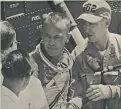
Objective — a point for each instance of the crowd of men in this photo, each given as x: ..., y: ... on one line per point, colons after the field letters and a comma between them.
x: 52, y: 78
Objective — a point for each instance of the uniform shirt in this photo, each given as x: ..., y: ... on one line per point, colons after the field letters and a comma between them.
x: 112, y: 56
x: 8, y: 99
x: 33, y: 96
x: 1, y: 76
x: 55, y: 79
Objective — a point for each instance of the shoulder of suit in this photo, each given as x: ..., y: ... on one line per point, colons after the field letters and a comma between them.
x: 34, y: 51
x: 115, y: 38
x: 79, y: 49
x: 115, y: 35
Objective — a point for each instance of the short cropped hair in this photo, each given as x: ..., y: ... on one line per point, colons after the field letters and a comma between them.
x: 17, y: 64
x: 8, y: 35
x: 55, y: 18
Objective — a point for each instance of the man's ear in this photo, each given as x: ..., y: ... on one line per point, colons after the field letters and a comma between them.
x: 68, y: 37
x: 108, y: 21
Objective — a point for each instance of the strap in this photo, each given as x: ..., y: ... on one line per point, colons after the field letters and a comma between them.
x: 69, y: 89
x: 58, y: 96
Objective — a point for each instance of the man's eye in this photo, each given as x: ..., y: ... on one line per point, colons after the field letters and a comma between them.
x: 93, y: 24
x: 11, y: 44
x: 57, y: 37
x: 46, y: 35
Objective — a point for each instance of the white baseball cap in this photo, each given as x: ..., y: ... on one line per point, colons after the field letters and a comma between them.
x: 95, y: 10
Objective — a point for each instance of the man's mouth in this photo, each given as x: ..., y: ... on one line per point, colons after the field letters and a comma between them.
x: 89, y: 35
x: 51, y: 47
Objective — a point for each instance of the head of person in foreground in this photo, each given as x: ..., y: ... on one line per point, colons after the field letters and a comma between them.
x: 17, y: 70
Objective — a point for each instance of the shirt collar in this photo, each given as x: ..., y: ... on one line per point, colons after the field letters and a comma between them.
x: 91, y: 49
x: 9, y: 93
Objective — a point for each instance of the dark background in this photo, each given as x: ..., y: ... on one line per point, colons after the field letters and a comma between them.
x: 28, y: 24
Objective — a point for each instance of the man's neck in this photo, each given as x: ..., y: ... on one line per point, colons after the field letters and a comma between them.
x: 102, y: 44
x: 12, y: 86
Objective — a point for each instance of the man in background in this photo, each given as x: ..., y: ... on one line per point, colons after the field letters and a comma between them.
x: 103, y: 50
x: 33, y: 97
x: 8, y: 40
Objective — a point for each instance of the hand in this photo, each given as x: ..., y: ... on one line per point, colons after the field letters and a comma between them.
x: 67, y: 106
x: 74, y: 103
x: 77, y: 101
x: 98, y: 92
x: 72, y: 106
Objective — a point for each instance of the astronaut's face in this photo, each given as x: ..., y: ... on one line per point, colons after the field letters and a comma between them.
x: 54, y: 39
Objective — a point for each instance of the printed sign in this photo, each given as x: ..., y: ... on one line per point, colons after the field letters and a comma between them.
x: 13, y: 9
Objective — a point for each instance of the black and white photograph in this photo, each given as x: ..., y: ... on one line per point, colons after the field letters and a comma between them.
x: 60, y: 54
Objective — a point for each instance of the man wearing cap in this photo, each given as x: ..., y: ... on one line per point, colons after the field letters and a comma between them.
x: 103, y: 50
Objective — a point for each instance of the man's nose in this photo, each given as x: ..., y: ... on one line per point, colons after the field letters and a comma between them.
x: 52, y: 42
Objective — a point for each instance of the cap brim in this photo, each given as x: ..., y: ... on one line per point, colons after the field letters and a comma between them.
x: 89, y: 18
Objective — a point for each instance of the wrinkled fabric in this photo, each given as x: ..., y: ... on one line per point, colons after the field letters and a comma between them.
x: 8, y: 99
x: 33, y: 96
x: 111, y: 57
x: 55, y: 78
